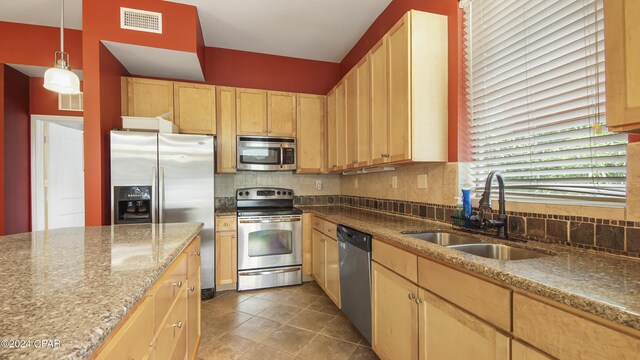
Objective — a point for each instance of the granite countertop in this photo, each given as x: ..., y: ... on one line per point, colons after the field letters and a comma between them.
x: 73, y: 286
x: 604, y: 285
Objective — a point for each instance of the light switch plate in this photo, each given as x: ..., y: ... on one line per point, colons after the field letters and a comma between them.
x: 422, y: 181
x: 319, y: 185
x: 394, y: 182
x: 356, y: 183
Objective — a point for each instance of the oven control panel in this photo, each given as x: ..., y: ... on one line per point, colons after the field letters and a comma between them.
x: 264, y: 193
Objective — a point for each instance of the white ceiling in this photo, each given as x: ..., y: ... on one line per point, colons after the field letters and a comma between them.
x: 42, y: 12
x: 156, y: 62
x: 38, y: 71
x: 310, y: 29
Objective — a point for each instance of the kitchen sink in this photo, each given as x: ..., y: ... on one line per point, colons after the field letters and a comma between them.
x: 442, y: 238
x: 498, y: 251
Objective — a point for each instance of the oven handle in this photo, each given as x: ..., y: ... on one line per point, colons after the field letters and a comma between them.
x: 268, y: 272
x: 268, y: 221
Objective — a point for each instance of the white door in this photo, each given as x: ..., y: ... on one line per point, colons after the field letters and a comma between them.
x: 64, y: 177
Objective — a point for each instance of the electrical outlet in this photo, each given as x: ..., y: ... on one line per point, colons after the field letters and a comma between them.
x: 394, y: 182
x: 422, y: 181
x: 319, y: 185
x: 356, y: 183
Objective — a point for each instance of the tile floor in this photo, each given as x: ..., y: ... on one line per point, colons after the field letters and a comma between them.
x: 298, y: 322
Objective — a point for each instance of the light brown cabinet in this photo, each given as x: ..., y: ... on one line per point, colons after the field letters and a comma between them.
x: 448, y: 332
x: 226, y: 253
x: 195, y: 108
x: 399, y: 75
x: 251, y: 112
x: 226, y: 123
x: 310, y: 133
x: 331, y: 138
x: 307, y: 246
x: 622, y: 56
x: 340, y: 130
x: 147, y: 97
x: 351, y: 118
x: 379, y: 103
x: 522, y: 351
x: 394, y: 320
x: 166, y: 322
x: 326, y: 269
x: 363, y: 141
x: 281, y: 118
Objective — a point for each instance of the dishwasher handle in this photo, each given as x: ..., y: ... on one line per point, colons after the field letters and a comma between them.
x: 354, y: 237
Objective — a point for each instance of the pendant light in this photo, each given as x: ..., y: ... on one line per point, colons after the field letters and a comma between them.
x: 59, y: 78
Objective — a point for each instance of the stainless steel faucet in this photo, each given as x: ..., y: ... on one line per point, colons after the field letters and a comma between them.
x: 478, y: 220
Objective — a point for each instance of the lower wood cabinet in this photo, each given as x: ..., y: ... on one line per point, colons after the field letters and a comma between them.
x: 226, y: 253
x: 307, y: 246
x: 394, y: 321
x: 166, y: 322
x: 326, y: 262
x: 448, y: 332
x: 521, y: 351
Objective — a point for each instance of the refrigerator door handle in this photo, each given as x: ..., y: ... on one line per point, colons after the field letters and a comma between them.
x: 161, y: 196
x: 154, y: 200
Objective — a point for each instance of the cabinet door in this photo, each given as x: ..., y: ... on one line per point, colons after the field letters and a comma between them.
x: 307, y: 245
x: 399, y: 72
x: 226, y: 137
x: 394, y: 315
x: 522, y: 351
x: 379, y: 103
x: 319, y: 265
x: 281, y: 113
x: 193, y: 299
x: 310, y: 139
x: 251, y: 112
x: 622, y: 56
x: 149, y: 98
x: 195, y: 108
x: 448, y: 332
x: 351, y: 118
x: 363, y: 151
x: 341, y: 139
x: 333, y: 270
x: 332, y: 151
x: 226, y: 258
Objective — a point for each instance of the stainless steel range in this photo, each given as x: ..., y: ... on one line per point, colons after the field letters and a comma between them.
x: 269, y: 238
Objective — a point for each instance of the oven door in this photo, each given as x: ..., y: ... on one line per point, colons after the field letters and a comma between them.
x: 269, y: 241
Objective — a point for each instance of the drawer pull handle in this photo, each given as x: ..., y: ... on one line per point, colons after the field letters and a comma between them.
x: 225, y: 224
x: 177, y: 325
x: 192, y: 289
x: 419, y: 301
x: 412, y: 296
x: 177, y: 284
x: 198, y: 253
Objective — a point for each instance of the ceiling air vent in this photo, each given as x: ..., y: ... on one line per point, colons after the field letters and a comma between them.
x: 140, y: 20
x: 70, y: 102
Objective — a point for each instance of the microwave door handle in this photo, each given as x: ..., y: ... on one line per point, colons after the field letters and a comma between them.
x: 281, y: 157
x: 154, y: 199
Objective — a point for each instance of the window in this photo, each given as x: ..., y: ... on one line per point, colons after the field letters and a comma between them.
x: 536, y: 93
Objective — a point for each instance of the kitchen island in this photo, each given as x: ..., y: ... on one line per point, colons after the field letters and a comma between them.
x: 64, y: 291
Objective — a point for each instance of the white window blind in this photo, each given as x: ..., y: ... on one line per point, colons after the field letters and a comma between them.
x: 536, y: 93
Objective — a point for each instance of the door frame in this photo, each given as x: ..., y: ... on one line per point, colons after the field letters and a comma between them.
x: 38, y: 201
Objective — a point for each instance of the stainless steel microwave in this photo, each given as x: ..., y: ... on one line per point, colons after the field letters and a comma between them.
x: 261, y: 153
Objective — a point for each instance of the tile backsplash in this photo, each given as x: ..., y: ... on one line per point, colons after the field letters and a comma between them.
x: 302, y: 184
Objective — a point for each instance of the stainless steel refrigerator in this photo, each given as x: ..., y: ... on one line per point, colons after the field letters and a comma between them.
x: 174, y: 173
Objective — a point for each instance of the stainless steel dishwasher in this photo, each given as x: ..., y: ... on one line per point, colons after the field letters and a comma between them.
x: 354, y: 249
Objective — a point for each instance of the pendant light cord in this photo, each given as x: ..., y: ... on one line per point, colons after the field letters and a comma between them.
x: 62, y: 26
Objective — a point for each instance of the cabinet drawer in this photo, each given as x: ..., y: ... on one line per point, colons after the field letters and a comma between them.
x: 330, y: 229
x: 171, y: 330
x: 317, y: 224
x: 168, y: 287
x: 226, y: 223
x: 133, y: 339
x: 400, y: 261
x: 487, y: 301
x: 567, y: 336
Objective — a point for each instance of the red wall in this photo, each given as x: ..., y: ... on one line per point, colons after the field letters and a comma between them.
x: 388, y: 18
x: 35, y: 45
x: 253, y: 70
x: 45, y: 102
x: 17, y: 156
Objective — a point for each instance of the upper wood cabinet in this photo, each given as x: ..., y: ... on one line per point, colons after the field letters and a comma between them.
x: 363, y: 88
x: 340, y: 130
x: 310, y: 133
x: 251, y: 112
x: 266, y: 113
x: 281, y: 119
x: 331, y: 138
x: 379, y: 103
x: 226, y: 123
x: 399, y: 77
x: 195, y: 108
x: 351, y: 119
x: 147, y: 97
x: 622, y: 56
